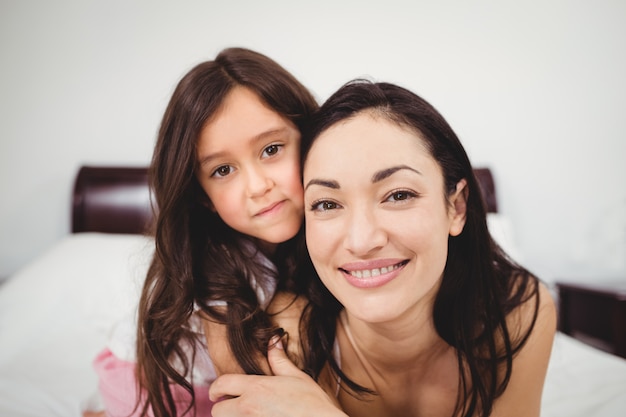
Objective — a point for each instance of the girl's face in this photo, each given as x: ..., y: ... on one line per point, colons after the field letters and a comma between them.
x: 377, y: 218
x: 249, y: 167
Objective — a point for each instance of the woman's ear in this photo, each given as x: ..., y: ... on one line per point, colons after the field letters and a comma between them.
x: 458, y: 208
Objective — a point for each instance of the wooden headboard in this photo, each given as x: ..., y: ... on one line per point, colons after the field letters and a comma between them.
x: 488, y: 188
x: 111, y: 200
x: 117, y: 199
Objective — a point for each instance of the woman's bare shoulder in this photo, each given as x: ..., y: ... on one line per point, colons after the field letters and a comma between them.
x: 522, y: 396
x: 538, y: 309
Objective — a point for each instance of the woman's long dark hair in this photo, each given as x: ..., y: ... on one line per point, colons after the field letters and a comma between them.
x: 481, y: 285
x: 198, y: 257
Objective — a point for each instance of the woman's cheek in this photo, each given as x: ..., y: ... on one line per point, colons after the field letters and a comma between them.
x: 319, y: 240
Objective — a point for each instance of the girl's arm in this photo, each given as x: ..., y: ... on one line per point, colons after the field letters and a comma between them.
x: 290, y: 392
x: 224, y: 361
x: 285, y: 308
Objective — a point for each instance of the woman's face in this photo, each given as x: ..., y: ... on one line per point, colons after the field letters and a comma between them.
x: 250, y: 168
x: 377, y: 217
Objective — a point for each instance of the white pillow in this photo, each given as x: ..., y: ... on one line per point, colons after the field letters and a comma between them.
x: 56, y: 315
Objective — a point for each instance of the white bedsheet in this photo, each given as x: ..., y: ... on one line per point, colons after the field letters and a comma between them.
x: 583, y: 381
x: 56, y: 315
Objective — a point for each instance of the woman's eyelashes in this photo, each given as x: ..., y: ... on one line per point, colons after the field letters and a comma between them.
x: 324, y: 205
x: 396, y: 197
x: 401, y: 196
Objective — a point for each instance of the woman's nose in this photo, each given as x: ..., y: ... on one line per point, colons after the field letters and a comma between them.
x: 364, y: 233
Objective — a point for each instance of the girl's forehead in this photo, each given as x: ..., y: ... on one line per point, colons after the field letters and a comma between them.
x: 243, y: 118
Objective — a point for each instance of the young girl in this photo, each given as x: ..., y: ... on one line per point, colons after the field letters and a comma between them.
x: 426, y: 315
x: 226, y: 180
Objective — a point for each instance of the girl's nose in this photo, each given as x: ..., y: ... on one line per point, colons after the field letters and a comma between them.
x: 258, y: 182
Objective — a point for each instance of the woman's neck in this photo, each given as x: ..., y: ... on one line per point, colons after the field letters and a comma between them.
x: 401, y: 345
x: 412, y: 370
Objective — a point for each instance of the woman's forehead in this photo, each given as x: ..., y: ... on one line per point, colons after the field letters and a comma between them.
x: 366, y: 144
x: 366, y: 133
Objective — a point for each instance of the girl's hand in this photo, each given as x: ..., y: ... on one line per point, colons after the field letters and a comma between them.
x: 290, y: 392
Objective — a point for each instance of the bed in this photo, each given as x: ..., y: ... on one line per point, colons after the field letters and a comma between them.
x: 57, y: 312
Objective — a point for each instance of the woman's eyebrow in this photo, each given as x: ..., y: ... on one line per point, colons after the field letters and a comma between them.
x: 386, y: 173
x: 323, y: 183
x: 378, y: 176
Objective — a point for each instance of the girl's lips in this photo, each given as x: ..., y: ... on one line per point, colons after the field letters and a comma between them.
x: 270, y: 209
x: 372, y: 274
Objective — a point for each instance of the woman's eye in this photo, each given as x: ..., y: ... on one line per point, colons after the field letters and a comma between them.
x: 222, y: 171
x: 401, y: 195
x: 271, y: 150
x: 324, y: 206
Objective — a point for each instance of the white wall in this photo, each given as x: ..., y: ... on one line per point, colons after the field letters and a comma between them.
x: 535, y: 89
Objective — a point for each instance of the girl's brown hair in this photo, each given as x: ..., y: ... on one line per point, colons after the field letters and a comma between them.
x: 199, y: 258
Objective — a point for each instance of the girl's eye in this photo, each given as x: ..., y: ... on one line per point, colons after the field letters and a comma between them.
x: 401, y: 195
x: 324, y: 205
x: 222, y: 171
x: 272, y: 150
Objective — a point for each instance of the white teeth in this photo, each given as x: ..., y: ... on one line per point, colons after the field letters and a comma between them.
x: 367, y: 273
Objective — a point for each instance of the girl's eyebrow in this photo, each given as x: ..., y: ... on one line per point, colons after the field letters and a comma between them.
x: 269, y: 133
x: 261, y: 136
x: 378, y: 176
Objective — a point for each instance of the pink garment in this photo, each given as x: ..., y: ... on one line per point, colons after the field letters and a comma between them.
x: 118, y: 389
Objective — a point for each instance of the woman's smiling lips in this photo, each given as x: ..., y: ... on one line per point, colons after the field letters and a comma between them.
x: 371, y: 274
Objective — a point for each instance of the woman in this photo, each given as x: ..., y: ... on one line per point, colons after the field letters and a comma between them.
x: 417, y: 309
